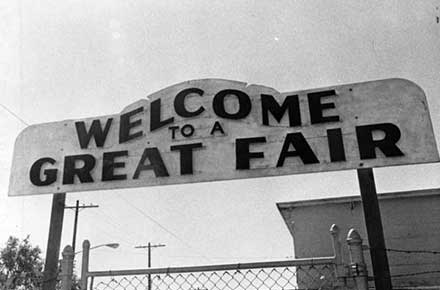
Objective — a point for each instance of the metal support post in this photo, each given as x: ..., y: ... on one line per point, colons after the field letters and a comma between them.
x: 149, y: 265
x: 373, y: 222
x: 85, y: 264
x: 75, y: 225
x: 337, y: 250
x: 53, y: 243
x: 67, y: 268
x: 357, y: 262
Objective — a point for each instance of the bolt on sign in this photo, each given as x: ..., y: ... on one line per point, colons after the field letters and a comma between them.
x: 213, y: 129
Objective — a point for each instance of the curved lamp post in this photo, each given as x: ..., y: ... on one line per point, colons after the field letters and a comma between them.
x: 110, y: 245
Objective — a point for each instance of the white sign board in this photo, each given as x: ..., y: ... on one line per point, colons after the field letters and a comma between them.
x: 212, y: 129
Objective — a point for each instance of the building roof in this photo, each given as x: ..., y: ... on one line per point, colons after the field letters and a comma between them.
x: 357, y: 198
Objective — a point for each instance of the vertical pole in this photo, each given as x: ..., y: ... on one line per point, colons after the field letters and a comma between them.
x: 67, y: 268
x: 85, y: 264
x: 373, y: 221
x: 357, y: 261
x: 54, y: 241
x: 149, y: 265
x: 75, y: 224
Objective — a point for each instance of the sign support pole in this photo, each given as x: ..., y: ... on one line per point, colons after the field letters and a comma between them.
x: 54, y: 241
x: 75, y: 225
x: 373, y: 221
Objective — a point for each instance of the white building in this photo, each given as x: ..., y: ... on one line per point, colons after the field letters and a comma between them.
x: 411, y: 221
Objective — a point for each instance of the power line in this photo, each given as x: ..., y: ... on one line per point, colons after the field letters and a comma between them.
x: 413, y: 251
x: 410, y: 274
x: 407, y: 251
x: 237, y: 257
x: 14, y: 114
x: 161, y: 226
x: 113, y: 235
x: 415, y: 273
x: 118, y: 226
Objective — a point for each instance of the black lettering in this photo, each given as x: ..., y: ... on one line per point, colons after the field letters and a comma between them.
x: 367, y: 145
x: 50, y: 174
x: 179, y: 103
x: 187, y: 130
x: 83, y: 173
x: 217, y: 127
x: 291, y: 103
x: 155, y: 115
x: 242, y: 154
x: 109, y: 165
x: 173, y: 131
x: 126, y: 125
x: 244, y: 107
x: 95, y: 130
x: 336, y: 145
x: 156, y: 163
x: 186, y: 156
x: 316, y: 108
x: 302, y: 149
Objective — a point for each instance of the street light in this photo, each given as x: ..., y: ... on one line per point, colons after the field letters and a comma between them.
x: 110, y: 245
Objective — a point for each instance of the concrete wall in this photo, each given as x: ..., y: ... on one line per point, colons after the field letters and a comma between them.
x: 411, y: 221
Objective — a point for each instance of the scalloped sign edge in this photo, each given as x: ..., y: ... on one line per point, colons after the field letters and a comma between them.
x: 215, y: 129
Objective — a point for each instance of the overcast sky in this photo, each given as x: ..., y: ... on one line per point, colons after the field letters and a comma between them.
x: 76, y: 59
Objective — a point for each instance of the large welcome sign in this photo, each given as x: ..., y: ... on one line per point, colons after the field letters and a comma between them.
x: 212, y: 129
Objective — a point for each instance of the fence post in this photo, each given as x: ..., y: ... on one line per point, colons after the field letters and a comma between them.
x: 67, y: 268
x: 337, y: 250
x: 357, y: 262
x: 85, y: 264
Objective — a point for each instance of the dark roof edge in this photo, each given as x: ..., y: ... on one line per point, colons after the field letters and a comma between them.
x: 357, y: 198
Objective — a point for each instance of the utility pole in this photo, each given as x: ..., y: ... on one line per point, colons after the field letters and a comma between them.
x: 148, y: 247
x: 77, y: 207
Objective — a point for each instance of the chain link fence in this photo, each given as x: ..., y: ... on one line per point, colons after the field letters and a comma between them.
x: 281, y: 278
x: 318, y: 273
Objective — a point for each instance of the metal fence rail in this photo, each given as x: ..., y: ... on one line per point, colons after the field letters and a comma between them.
x: 222, y: 267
